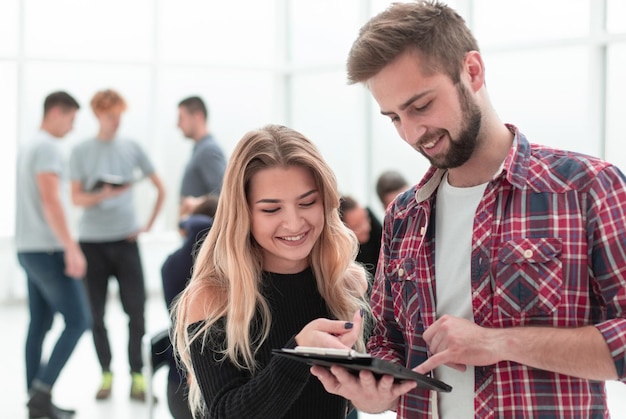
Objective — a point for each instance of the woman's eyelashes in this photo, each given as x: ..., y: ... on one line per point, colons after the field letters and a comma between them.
x: 308, y: 204
x: 274, y: 210
x: 270, y: 210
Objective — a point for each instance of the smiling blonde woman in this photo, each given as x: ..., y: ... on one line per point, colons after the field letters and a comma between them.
x: 274, y: 270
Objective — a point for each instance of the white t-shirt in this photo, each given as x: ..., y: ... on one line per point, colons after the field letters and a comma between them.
x: 455, y: 210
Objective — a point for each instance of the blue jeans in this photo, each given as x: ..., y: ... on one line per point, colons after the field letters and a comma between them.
x: 50, y: 291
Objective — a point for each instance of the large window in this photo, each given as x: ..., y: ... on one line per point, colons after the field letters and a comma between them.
x: 554, y: 69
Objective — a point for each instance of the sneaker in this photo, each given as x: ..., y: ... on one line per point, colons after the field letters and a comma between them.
x: 104, y: 392
x: 138, y: 387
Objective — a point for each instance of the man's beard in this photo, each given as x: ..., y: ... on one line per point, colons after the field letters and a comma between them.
x: 461, y: 148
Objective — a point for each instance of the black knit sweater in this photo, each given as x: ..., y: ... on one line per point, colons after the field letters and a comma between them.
x: 280, y: 388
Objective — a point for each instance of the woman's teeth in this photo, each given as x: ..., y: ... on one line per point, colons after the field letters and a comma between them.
x: 293, y: 238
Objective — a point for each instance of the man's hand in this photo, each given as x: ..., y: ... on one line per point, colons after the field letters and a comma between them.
x: 109, y: 191
x: 459, y: 342
x: 365, y: 392
x: 75, y: 263
x: 133, y: 237
x: 188, y: 205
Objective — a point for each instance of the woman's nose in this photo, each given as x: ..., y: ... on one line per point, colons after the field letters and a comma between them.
x: 293, y: 220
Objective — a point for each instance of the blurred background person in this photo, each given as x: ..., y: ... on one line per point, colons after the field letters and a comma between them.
x: 389, y: 184
x: 51, y: 258
x: 109, y: 229
x: 368, y: 230
x: 204, y: 171
x: 175, y: 273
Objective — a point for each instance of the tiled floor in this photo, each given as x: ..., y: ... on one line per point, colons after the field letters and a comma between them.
x: 78, y: 382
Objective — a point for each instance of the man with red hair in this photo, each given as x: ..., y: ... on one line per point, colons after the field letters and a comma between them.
x: 103, y: 175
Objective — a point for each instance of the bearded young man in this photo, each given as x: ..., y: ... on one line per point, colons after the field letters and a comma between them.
x: 504, y: 267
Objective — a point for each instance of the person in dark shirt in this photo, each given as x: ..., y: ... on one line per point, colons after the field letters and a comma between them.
x: 276, y: 270
x: 368, y: 231
x: 175, y: 273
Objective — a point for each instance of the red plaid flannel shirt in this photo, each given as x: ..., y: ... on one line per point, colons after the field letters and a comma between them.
x: 548, y: 248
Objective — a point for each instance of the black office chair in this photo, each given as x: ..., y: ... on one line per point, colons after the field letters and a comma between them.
x: 156, y: 352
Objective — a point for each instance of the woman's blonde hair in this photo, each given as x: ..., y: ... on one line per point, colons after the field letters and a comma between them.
x: 226, y: 277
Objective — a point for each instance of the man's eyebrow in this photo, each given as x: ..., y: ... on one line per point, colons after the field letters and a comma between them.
x: 408, y: 102
x: 276, y: 201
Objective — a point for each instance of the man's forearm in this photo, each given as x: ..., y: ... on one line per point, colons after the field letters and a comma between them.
x: 579, y: 352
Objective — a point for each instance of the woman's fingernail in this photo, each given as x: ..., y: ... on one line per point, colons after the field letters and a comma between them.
x: 348, y: 325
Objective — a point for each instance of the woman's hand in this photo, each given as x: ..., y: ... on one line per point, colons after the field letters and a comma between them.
x: 325, y: 333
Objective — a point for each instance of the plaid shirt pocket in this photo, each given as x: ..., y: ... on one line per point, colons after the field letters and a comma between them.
x: 402, y: 277
x: 528, y: 279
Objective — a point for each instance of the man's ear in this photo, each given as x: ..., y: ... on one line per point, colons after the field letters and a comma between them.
x: 474, y: 70
x: 54, y: 112
x: 198, y: 117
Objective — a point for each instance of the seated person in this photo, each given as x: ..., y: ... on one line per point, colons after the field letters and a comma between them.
x: 175, y: 274
x: 368, y: 230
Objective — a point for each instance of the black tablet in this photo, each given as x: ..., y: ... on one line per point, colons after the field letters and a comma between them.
x: 100, y: 184
x: 356, y: 361
x: 113, y: 180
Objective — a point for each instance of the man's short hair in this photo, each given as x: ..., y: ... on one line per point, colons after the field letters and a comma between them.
x: 195, y: 104
x: 430, y: 29
x: 107, y: 100
x: 59, y: 99
x: 346, y: 204
x: 208, y: 205
x: 390, y: 181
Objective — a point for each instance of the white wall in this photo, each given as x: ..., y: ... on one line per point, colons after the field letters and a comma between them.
x: 552, y: 69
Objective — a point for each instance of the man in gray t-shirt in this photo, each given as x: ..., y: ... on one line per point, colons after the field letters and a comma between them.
x: 204, y: 171
x: 52, y: 260
x: 103, y: 172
